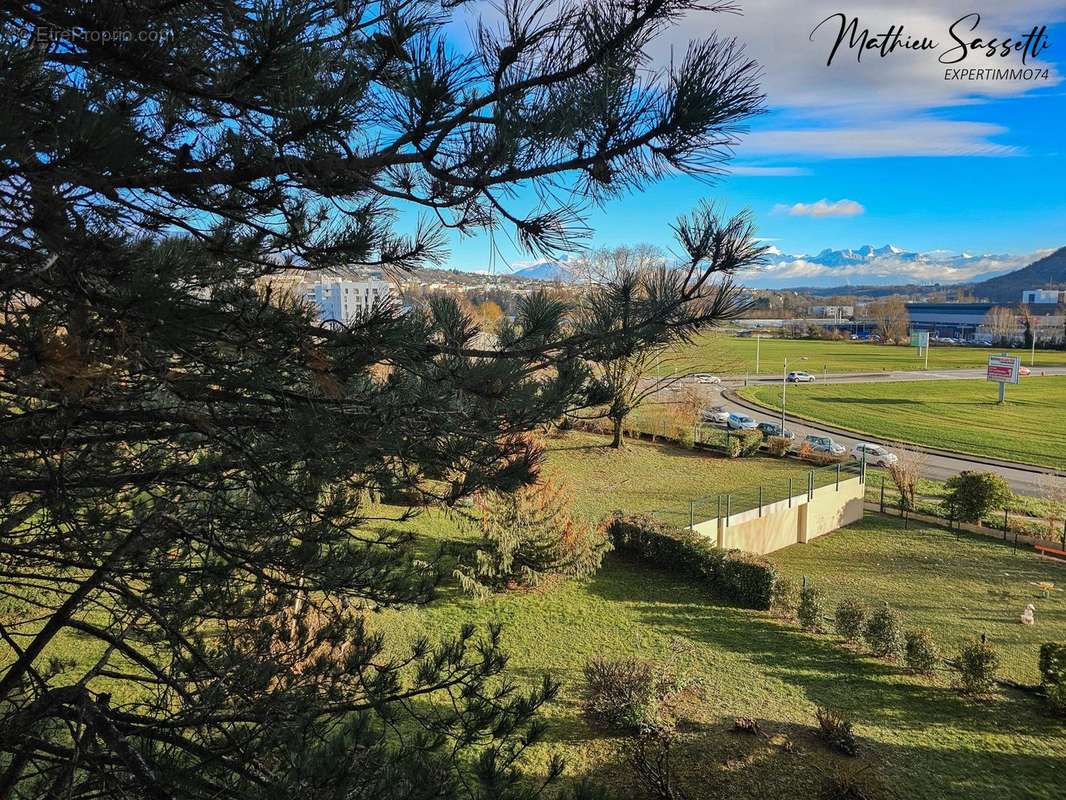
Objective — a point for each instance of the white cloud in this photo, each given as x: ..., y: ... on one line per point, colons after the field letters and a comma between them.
x: 886, y: 270
x: 924, y: 137
x: 821, y: 208
x: 776, y: 33
x: 880, y: 106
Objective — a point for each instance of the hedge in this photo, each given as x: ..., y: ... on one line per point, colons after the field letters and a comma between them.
x: 743, y: 443
x: 740, y: 577
x: 1053, y: 662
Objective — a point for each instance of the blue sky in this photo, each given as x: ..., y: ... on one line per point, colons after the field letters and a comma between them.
x: 926, y: 163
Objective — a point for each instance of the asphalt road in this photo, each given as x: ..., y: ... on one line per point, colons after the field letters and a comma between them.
x: 938, y: 465
x: 900, y: 375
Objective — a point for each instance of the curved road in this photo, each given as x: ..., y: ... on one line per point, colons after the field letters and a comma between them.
x: 939, y: 464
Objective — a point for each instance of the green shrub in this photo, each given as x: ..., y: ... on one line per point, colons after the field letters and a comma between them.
x: 920, y: 652
x: 974, y: 494
x: 849, y: 619
x: 746, y: 579
x: 1055, y: 694
x: 977, y: 663
x: 1053, y: 675
x: 621, y: 692
x: 1052, y: 663
x: 884, y: 633
x: 634, y: 695
x: 744, y: 443
x: 836, y: 730
x: 784, y: 598
x: 810, y: 607
x: 739, y: 577
x: 527, y: 536
x: 778, y: 445
x: 845, y: 782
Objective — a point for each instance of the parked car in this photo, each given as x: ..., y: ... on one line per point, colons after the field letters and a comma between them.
x: 824, y: 444
x: 875, y: 454
x: 800, y: 377
x: 773, y: 429
x: 1024, y: 371
x: 715, y: 414
x: 740, y: 422
x: 707, y: 379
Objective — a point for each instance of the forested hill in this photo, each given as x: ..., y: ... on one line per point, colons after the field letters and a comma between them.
x: 1048, y: 272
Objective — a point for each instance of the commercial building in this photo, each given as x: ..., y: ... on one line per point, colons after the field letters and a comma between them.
x: 345, y: 300
x: 956, y: 320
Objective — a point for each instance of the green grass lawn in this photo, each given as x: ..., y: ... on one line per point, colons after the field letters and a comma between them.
x: 917, y: 735
x: 653, y: 476
x: 958, y: 588
x: 733, y: 355
x: 956, y: 415
x: 923, y: 739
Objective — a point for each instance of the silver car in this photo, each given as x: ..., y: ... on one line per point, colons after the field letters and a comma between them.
x: 740, y: 422
x: 717, y: 415
x: 874, y: 454
x: 824, y: 444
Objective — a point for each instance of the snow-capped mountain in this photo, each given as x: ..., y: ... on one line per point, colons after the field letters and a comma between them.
x: 863, y: 266
x: 868, y: 265
x: 545, y: 271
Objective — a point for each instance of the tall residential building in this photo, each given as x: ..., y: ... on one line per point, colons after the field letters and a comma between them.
x: 343, y: 300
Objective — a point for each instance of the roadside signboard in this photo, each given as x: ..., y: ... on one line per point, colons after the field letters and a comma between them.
x: 1004, y: 369
x: 919, y: 338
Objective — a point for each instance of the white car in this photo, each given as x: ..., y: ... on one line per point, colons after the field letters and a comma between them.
x: 800, y: 377
x: 875, y: 454
x: 707, y: 379
x: 740, y: 422
x: 717, y: 414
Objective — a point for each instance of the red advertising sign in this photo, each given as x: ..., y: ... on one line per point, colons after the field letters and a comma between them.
x: 1003, y: 369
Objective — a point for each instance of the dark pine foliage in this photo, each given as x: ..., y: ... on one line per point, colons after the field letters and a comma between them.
x: 185, y: 454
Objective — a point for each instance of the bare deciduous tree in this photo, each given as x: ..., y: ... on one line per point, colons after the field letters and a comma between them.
x: 906, y: 471
x: 890, y: 316
x: 1053, y: 491
x: 1001, y: 322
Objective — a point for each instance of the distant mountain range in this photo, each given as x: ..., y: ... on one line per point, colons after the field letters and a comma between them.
x: 879, y: 266
x: 875, y: 270
x: 545, y: 271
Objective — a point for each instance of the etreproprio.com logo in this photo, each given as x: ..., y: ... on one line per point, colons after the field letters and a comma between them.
x: 48, y: 34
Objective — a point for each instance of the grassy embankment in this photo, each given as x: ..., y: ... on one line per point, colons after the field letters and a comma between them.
x: 724, y: 354
x: 962, y: 415
x: 922, y: 738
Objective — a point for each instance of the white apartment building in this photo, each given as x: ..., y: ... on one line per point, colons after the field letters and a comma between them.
x: 344, y: 300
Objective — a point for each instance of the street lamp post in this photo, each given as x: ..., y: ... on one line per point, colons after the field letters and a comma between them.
x: 784, y: 384
x: 758, y: 341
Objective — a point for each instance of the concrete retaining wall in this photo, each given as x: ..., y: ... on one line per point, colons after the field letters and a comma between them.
x: 787, y: 522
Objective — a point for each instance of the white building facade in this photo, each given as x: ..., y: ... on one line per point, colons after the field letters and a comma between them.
x: 345, y: 300
x: 1041, y: 296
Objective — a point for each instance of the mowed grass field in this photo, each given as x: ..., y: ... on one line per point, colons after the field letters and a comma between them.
x: 726, y: 354
x: 960, y: 415
x: 917, y: 735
